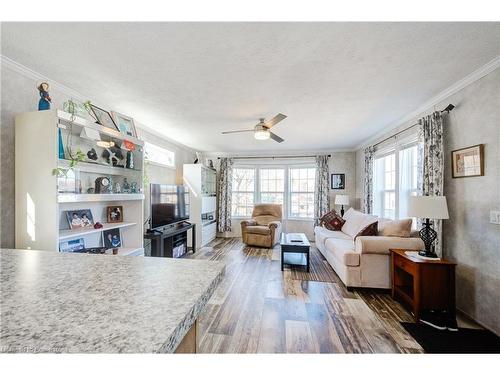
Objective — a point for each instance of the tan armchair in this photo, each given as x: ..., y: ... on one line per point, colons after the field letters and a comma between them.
x: 264, y: 229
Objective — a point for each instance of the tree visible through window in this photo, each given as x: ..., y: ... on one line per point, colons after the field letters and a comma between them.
x: 243, y: 192
x: 301, y: 189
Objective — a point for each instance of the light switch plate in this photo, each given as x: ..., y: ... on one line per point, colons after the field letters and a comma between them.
x: 494, y: 217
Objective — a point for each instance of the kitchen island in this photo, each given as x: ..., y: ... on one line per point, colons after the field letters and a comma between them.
x: 86, y: 303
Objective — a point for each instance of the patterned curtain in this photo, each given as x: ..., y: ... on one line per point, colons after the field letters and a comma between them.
x: 322, y: 188
x: 225, y: 188
x: 430, y: 163
x: 368, y: 197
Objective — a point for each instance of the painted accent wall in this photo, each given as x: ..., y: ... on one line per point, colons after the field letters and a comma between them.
x: 468, y: 237
x: 19, y: 94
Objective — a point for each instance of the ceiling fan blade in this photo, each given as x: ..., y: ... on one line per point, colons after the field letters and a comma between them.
x: 276, y: 138
x: 238, y: 131
x: 279, y: 117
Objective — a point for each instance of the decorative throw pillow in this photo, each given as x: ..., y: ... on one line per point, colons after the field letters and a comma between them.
x: 395, y: 228
x: 369, y: 230
x: 332, y: 221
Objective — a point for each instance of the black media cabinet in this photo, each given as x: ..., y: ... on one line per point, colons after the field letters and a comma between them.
x: 171, y: 242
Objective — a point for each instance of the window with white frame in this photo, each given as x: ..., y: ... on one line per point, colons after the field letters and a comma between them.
x: 272, y: 185
x: 395, y: 179
x: 158, y: 155
x: 242, y: 201
x: 301, y: 192
x: 290, y: 186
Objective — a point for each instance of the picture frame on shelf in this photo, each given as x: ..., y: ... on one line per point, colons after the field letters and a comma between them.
x: 103, y: 117
x: 111, y: 238
x: 337, y: 181
x: 72, y: 245
x: 114, y: 214
x: 78, y: 219
x: 468, y: 161
x: 125, y: 124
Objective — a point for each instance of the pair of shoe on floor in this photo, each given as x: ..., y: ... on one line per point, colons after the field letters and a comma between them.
x: 439, y: 319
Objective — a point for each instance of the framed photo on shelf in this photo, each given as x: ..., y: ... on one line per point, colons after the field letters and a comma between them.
x: 78, y: 219
x: 337, y: 181
x: 72, y: 245
x: 125, y: 124
x: 111, y: 238
x: 468, y: 161
x: 114, y: 214
x: 103, y: 117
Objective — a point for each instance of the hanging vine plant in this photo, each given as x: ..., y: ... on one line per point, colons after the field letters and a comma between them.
x: 76, y: 157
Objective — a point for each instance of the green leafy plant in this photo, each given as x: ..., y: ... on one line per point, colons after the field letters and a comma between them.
x: 74, y: 160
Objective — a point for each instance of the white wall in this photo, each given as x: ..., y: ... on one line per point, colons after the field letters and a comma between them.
x: 468, y: 237
x: 19, y: 94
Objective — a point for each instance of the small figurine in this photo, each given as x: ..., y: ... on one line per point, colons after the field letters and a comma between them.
x: 126, y: 186
x: 133, y: 187
x: 45, y: 99
x: 113, y: 155
x: 92, y: 154
x: 130, y: 160
x: 118, y: 188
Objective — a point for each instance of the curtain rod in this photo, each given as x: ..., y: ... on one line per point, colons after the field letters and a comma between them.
x: 275, y: 157
x: 448, y: 109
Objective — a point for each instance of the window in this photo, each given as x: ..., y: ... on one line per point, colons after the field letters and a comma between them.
x: 272, y: 185
x: 301, y: 189
x: 292, y: 187
x: 158, y: 155
x: 395, y: 180
x: 243, y: 192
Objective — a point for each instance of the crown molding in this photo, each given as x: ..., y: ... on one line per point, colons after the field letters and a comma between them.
x: 30, y: 73
x: 457, y: 86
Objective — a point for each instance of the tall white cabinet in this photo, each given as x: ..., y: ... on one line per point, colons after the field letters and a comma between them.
x: 201, y: 181
x: 42, y: 198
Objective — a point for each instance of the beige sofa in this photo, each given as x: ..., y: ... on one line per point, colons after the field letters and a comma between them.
x: 264, y: 229
x: 364, y: 262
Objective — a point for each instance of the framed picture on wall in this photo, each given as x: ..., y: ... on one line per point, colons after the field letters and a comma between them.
x: 125, y: 124
x: 103, y: 117
x: 468, y: 161
x: 338, y: 181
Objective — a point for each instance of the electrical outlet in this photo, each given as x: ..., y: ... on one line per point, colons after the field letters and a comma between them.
x: 494, y: 217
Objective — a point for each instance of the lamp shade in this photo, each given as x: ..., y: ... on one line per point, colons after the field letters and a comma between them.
x: 342, y: 199
x: 428, y: 207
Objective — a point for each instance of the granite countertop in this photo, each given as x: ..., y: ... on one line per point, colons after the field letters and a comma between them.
x: 87, y: 303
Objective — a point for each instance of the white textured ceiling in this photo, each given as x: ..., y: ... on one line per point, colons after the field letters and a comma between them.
x: 339, y: 83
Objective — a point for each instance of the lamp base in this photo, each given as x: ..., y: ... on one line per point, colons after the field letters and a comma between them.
x: 427, y: 254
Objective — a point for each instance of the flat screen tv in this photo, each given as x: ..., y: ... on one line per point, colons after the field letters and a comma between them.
x: 169, y: 204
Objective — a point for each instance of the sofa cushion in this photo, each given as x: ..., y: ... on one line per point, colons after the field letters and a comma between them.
x: 332, y: 221
x: 356, y: 221
x: 258, y: 229
x: 321, y: 234
x: 343, y: 250
x: 369, y: 230
x: 395, y: 228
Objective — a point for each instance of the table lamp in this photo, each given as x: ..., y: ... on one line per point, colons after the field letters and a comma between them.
x: 427, y: 208
x: 342, y: 200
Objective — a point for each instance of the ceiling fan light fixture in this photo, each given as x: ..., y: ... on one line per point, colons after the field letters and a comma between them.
x: 262, y: 134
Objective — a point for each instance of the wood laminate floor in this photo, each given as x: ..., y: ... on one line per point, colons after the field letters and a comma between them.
x: 259, y: 309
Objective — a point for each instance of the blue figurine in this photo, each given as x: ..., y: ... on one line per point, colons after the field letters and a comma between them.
x: 45, y: 99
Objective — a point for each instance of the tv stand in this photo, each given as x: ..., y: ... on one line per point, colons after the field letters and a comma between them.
x: 171, y: 242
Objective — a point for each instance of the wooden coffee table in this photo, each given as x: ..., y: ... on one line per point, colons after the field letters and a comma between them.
x: 294, y: 248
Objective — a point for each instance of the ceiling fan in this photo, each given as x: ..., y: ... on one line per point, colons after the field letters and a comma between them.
x: 261, y: 130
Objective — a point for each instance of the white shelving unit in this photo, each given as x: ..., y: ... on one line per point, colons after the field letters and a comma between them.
x: 202, y: 199
x: 41, y: 204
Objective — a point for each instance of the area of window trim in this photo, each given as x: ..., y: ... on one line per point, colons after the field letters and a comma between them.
x: 154, y: 162
x: 286, y: 199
